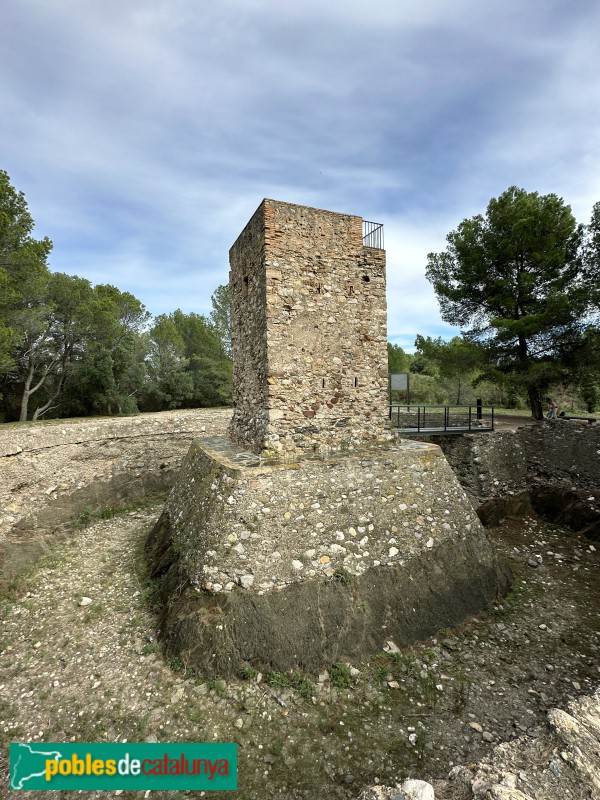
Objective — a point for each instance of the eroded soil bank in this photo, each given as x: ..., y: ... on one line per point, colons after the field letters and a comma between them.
x: 53, y: 473
x: 92, y: 673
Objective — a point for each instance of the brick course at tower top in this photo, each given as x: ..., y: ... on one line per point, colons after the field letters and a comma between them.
x: 309, y: 331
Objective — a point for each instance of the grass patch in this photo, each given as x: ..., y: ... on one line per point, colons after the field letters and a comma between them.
x: 340, y: 675
x: 275, y: 747
x: 278, y: 680
x: 12, y: 592
x: 218, y: 686
x: 247, y: 672
x: 151, y: 647
x: 342, y: 576
x: 293, y: 680
x: 522, y: 592
x: 175, y: 663
x: 302, y: 684
x: 90, y: 514
x: 11, y: 735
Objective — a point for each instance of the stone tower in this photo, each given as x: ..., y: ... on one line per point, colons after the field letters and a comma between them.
x: 309, y: 331
x: 310, y: 358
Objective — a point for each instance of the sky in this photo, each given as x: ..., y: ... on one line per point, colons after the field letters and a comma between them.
x: 145, y: 133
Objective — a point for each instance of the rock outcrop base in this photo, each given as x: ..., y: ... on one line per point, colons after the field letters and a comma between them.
x: 299, y: 565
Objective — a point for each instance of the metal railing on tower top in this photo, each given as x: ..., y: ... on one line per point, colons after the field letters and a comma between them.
x: 373, y: 234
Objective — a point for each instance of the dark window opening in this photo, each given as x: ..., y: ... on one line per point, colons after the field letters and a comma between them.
x: 355, y: 382
x: 245, y: 286
x: 366, y: 279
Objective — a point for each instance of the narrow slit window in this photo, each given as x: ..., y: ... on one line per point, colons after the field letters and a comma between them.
x: 355, y: 383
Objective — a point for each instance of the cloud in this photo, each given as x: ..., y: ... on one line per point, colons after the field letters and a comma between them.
x: 144, y: 135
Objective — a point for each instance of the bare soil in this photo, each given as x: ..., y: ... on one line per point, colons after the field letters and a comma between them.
x: 72, y: 672
x: 510, y: 422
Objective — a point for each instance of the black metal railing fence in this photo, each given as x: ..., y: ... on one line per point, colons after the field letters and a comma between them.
x: 442, y: 419
x: 373, y: 234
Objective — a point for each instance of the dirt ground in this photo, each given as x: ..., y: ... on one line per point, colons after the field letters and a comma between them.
x: 505, y: 422
x: 76, y: 672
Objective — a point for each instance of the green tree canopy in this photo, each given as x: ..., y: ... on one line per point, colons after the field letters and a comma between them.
x: 585, y: 369
x: 520, y: 280
x: 209, y: 365
x: 23, y: 270
x: 186, y: 365
x: 457, y: 363
x: 398, y: 360
x: 220, y: 317
x: 109, y: 375
x: 69, y: 348
x: 169, y: 383
x: 53, y: 339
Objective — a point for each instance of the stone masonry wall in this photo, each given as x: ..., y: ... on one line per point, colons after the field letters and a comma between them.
x: 306, y: 563
x: 309, y: 332
x: 247, y: 285
x: 297, y: 521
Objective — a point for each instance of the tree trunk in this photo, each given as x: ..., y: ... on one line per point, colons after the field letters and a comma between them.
x: 458, y: 391
x: 48, y: 405
x: 535, y: 402
x: 28, y: 391
x: 26, y: 394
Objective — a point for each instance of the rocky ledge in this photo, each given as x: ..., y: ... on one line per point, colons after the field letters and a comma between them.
x: 561, y: 764
x: 52, y: 472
